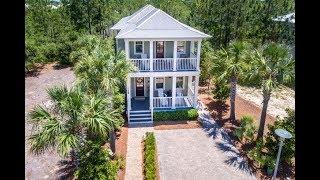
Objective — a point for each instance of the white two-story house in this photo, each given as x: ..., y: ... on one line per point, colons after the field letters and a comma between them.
x: 166, y: 53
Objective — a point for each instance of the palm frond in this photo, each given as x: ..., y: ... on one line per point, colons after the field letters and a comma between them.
x: 66, y: 142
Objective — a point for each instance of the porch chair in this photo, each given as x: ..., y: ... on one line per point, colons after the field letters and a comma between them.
x: 163, y: 101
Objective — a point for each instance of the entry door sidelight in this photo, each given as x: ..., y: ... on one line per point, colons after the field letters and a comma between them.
x: 140, y: 86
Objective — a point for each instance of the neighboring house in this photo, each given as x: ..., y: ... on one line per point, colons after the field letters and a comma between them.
x: 166, y: 53
x: 288, y: 21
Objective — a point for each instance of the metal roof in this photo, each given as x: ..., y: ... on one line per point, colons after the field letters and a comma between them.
x: 150, y: 22
x: 289, y: 17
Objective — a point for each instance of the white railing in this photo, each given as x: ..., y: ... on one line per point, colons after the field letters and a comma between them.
x: 142, y: 64
x: 162, y: 102
x: 186, y: 64
x: 191, y: 93
x: 166, y: 64
x: 184, y: 101
x: 163, y: 64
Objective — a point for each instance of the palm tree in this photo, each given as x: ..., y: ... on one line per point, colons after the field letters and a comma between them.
x: 271, y: 67
x: 106, y: 72
x: 72, y: 119
x: 230, y: 64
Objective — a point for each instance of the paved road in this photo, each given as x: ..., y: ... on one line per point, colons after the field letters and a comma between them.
x: 45, y: 165
x: 199, y: 154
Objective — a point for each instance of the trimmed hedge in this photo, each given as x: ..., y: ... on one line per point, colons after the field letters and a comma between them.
x: 178, y: 115
x: 149, y: 158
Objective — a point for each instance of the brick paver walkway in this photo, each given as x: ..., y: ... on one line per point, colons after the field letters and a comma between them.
x: 134, y: 159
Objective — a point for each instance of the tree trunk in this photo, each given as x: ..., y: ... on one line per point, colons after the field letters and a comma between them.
x: 233, y: 92
x: 112, y: 141
x: 266, y: 98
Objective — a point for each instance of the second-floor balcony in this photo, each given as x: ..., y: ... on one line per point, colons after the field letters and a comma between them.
x: 160, y: 56
x: 166, y: 64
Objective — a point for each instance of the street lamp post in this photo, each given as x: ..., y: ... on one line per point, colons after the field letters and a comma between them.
x: 283, y: 134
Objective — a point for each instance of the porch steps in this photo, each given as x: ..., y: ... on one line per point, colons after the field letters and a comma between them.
x: 143, y: 116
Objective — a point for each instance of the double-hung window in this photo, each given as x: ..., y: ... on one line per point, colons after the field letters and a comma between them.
x: 138, y: 47
x: 159, y: 83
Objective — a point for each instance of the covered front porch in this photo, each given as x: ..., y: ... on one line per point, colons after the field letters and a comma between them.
x: 161, y: 93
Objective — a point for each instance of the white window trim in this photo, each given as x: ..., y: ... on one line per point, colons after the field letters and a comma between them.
x: 164, y: 83
x: 135, y: 52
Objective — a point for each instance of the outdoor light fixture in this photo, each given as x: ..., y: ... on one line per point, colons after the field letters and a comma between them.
x: 283, y: 134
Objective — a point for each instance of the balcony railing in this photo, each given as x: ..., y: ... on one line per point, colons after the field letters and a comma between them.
x: 166, y: 64
x: 142, y: 64
x: 186, y: 64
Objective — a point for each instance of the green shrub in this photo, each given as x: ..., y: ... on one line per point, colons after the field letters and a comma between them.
x: 95, y: 163
x: 121, y: 161
x: 246, y: 130
x: 150, y: 165
x: 265, y: 153
x: 184, y: 114
x: 272, y: 140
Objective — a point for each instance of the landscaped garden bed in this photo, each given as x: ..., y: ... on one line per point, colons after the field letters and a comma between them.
x: 242, y: 131
x: 178, y: 119
x: 150, y: 164
x: 177, y: 115
x: 121, y: 149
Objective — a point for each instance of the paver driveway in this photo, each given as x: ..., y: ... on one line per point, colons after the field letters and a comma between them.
x: 198, y: 154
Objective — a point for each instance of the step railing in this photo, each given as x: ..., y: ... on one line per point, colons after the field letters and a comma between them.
x: 184, y: 101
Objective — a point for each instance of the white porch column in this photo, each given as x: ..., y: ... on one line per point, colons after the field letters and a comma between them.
x: 198, y: 55
x: 126, y: 48
x: 196, y: 86
x: 175, y: 44
x: 174, y: 89
x: 128, y: 94
x: 151, y: 55
x: 151, y: 92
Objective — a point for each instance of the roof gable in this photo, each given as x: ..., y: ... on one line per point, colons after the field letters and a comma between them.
x: 150, y: 22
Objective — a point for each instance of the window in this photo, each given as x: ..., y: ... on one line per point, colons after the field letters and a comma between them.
x: 179, y: 82
x: 181, y: 46
x: 159, y: 83
x: 138, y: 47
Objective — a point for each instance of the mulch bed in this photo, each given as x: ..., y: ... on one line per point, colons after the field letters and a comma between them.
x: 121, y: 148
x: 221, y: 112
x: 167, y: 125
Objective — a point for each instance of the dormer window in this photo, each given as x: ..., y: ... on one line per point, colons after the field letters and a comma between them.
x: 138, y: 47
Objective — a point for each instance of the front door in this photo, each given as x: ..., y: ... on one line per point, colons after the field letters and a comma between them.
x: 159, y: 49
x: 140, y: 86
